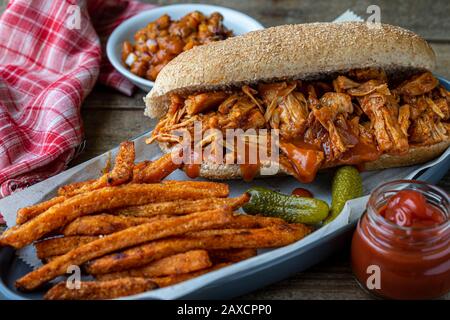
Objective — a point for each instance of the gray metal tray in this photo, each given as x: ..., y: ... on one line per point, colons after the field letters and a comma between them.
x: 273, y: 270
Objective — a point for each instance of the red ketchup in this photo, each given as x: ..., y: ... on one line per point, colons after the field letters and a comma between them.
x: 401, y: 247
x: 409, y: 208
x: 302, y: 192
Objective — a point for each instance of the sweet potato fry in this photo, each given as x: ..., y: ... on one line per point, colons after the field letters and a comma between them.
x: 156, y: 171
x: 124, y: 239
x: 108, y: 165
x: 28, y: 213
x: 244, y: 221
x: 196, y: 184
x: 139, y: 166
x: 174, y: 279
x: 103, y: 224
x: 230, y: 255
x: 61, y: 245
x: 49, y: 259
x: 70, y: 189
x: 89, y: 185
x: 269, y: 237
x: 180, y: 207
x: 101, y: 200
x: 76, y: 188
x: 100, y: 290
x: 123, y: 165
x: 121, y: 173
x: 177, y: 264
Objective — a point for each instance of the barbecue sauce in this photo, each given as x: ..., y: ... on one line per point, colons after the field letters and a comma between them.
x: 249, y: 171
x: 192, y: 166
x: 192, y: 170
x: 358, y: 155
x: 305, y: 162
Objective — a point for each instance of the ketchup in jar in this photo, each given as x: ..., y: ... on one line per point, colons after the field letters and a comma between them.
x: 401, y: 246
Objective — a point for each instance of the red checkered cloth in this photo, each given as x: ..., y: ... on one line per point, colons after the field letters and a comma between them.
x: 50, y: 58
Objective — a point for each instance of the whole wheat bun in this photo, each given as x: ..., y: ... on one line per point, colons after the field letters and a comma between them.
x: 304, y: 51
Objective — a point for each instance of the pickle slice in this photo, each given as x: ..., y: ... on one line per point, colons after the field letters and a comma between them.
x: 346, y: 185
x: 292, y: 209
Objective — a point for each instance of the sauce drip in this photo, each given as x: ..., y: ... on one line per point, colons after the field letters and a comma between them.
x: 249, y: 171
x: 302, y: 192
x: 192, y: 167
x: 192, y: 170
x: 359, y: 154
x: 305, y: 162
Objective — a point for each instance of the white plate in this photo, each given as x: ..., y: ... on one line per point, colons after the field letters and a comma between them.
x: 234, y: 20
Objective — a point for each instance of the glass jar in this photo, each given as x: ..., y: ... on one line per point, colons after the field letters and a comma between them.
x: 400, y: 262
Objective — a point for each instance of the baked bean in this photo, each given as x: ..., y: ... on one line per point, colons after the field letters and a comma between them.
x: 172, y: 44
x: 141, y: 46
x: 139, y: 68
x: 189, y: 45
x: 163, y: 22
x: 154, y: 70
x: 127, y: 48
x: 163, y: 39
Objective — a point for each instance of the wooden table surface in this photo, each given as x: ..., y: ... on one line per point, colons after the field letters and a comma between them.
x: 110, y: 117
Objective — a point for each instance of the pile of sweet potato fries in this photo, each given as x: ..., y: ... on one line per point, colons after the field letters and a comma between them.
x: 133, y: 232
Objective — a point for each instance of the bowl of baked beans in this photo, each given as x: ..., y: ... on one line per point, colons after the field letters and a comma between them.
x: 142, y: 45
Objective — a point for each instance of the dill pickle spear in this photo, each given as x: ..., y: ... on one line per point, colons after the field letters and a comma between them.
x: 292, y: 209
x: 346, y: 185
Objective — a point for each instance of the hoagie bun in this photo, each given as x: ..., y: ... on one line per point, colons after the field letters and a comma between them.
x: 322, y: 54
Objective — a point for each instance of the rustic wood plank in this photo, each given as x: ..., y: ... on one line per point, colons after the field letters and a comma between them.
x: 429, y: 19
x: 442, y: 51
x: 107, y: 128
x: 103, y: 97
x: 330, y: 279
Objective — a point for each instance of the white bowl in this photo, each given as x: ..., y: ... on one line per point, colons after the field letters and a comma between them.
x: 234, y: 20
